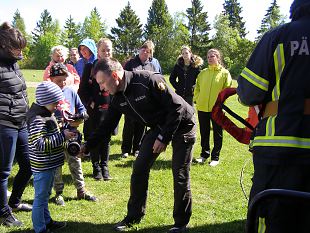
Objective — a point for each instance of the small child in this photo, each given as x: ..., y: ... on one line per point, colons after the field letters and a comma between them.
x: 46, y: 152
x: 73, y: 104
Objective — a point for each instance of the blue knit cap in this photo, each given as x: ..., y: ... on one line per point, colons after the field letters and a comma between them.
x: 48, y: 93
x: 297, y: 4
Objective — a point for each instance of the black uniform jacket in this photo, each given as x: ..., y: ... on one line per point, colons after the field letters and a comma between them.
x: 13, y: 94
x: 148, y: 99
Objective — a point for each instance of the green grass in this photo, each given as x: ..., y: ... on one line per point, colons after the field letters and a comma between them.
x: 33, y: 75
x: 219, y: 205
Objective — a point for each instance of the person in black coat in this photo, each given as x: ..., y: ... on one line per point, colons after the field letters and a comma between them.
x: 146, y: 97
x: 97, y: 103
x: 13, y: 127
x: 184, y: 74
x: 133, y: 131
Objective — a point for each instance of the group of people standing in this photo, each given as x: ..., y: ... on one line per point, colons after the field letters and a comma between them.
x: 76, y: 84
x: 100, y: 89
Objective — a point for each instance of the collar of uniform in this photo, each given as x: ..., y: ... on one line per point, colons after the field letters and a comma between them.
x: 128, y: 75
x: 217, y: 67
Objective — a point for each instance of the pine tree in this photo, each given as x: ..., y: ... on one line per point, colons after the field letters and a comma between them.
x: 233, y: 10
x: 127, y: 36
x: 272, y: 19
x: 93, y: 27
x: 19, y: 23
x: 71, y: 35
x: 159, y: 29
x: 44, y: 25
x: 45, y: 36
x: 199, y: 27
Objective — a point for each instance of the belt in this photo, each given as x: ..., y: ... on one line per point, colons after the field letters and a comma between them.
x: 271, y: 108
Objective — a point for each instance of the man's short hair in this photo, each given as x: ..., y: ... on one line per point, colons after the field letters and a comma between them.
x: 108, y: 65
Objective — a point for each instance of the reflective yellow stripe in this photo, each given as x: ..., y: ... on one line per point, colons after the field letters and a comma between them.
x: 282, y: 141
x: 255, y: 79
x: 261, y: 225
x: 270, y: 126
x: 279, y: 63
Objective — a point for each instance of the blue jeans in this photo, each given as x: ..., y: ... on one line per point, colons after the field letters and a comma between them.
x: 13, y: 144
x: 42, y: 183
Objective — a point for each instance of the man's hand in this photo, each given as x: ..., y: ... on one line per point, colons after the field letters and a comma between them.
x: 159, y: 147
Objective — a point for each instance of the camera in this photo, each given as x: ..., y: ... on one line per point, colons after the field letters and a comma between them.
x: 73, y: 145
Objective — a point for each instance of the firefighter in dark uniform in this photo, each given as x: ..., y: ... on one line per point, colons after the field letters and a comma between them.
x: 146, y: 97
x: 277, y: 76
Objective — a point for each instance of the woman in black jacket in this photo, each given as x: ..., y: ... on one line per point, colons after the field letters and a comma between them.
x: 13, y: 129
x: 184, y: 74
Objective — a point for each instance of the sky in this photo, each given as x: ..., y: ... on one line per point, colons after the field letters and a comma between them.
x: 253, y: 11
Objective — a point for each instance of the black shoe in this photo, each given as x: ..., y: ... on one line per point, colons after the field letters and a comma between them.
x: 181, y: 229
x: 125, y: 224
x: 55, y: 225
x: 97, y: 174
x: 105, y: 173
x: 9, y: 220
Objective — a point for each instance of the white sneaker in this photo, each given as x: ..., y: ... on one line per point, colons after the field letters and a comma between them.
x: 59, y: 200
x: 8, y: 193
x: 125, y: 155
x: 214, y: 163
x: 136, y: 153
x: 200, y: 160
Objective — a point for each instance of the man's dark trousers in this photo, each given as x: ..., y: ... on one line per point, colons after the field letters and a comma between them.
x: 182, y: 145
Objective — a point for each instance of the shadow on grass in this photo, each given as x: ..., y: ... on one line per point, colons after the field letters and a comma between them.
x: 82, y: 227
x: 115, y: 141
x: 158, y: 165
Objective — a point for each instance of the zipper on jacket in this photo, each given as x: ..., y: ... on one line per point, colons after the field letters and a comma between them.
x: 211, y: 89
x: 24, y: 98
x: 134, y: 109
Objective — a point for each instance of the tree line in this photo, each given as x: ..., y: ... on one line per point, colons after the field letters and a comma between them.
x: 167, y: 32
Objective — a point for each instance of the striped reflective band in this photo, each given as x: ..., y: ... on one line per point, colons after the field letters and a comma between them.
x: 279, y: 63
x: 282, y: 141
x: 255, y: 79
x: 270, y: 126
x: 261, y: 225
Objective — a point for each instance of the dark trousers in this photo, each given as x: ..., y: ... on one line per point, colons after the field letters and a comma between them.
x: 182, y: 145
x: 282, y: 215
x: 13, y: 144
x: 100, y: 155
x: 133, y: 132
x: 204, y: 127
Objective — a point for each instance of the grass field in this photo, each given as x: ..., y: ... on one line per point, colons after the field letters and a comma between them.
x: 219, y: 204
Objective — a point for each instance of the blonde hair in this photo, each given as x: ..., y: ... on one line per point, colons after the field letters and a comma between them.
x: 103, y: 40
x: 187, y: 48
x: 217, y: 54
x: 74, y: 49
x: 63, y: 49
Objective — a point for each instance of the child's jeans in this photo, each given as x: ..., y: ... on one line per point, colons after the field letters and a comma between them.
x: 43, y: 183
